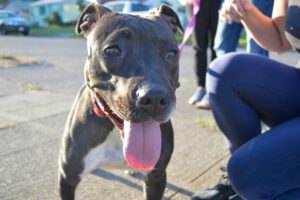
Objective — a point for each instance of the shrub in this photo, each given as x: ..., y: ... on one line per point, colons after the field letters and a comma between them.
x: 54, y: 19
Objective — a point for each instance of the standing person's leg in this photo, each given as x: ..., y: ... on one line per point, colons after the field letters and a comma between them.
x: 213, y: 24
x: 200, y: 44
x: 266, y: 7
x: 227, y: 37
x: 213, y: 16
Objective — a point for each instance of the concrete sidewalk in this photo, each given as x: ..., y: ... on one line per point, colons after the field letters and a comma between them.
x: 32, y: 122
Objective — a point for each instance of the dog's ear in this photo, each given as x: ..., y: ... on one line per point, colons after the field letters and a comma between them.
x: 89, y: 17
x: 170, y: 16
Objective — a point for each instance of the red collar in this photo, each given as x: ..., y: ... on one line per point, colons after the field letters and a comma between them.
x: 96, y: 107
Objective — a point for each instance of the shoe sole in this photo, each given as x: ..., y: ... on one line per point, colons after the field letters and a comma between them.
x: 203, y: 107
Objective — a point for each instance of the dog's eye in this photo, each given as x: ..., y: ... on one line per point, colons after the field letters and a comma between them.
x: 112, y: 51
x: 172, y: 55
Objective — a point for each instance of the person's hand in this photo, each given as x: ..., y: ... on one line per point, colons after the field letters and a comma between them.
x: 234, y: 10
x: 189, y: 1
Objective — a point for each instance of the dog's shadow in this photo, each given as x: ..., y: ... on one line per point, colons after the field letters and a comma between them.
x: 110, y: 176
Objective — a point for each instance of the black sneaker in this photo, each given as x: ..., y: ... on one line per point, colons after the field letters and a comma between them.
x: 222, y: 191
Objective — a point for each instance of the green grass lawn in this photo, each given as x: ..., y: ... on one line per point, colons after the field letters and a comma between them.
x: 52, y: 30
x: 242, y: 41
x: 6, y: 57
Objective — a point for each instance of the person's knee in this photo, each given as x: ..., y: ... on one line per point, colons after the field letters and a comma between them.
x: 239, y: 174
x: 244, y: 175
x: 221, y: 71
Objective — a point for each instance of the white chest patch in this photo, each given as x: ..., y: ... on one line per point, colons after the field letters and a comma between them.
x: 108, y: 154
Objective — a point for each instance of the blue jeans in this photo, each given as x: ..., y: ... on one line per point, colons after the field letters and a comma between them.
x: 245, y: 89
x: 228, y: 35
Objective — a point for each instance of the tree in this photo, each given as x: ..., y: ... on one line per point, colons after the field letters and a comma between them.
x: 80, y: 4
x: 4, y: 2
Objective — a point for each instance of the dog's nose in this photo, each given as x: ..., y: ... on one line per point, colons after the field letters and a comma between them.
x: 154, y: 102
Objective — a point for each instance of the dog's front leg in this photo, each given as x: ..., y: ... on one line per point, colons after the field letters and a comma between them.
x: 70, y: 169
x: 68, y: 187
x: 84, y: 131
x: 154, y: 185
x: 156, y: 180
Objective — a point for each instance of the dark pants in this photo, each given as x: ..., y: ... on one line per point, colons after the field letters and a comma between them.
x: 204, y: 36
x: 243, y: 91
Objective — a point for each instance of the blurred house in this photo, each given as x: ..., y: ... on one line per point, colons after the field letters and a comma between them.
x: 20, y: 7
x: 67, y: 10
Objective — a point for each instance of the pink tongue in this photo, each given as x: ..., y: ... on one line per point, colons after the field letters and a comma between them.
x: 142, y: 144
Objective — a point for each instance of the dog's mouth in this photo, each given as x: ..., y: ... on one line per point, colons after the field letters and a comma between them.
x: 141, y: 141
x: 114, y: 118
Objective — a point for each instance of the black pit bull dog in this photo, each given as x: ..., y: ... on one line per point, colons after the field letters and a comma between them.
x: 131, y: 75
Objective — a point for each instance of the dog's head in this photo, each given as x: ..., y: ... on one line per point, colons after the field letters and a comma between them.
x: 132, y: 67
